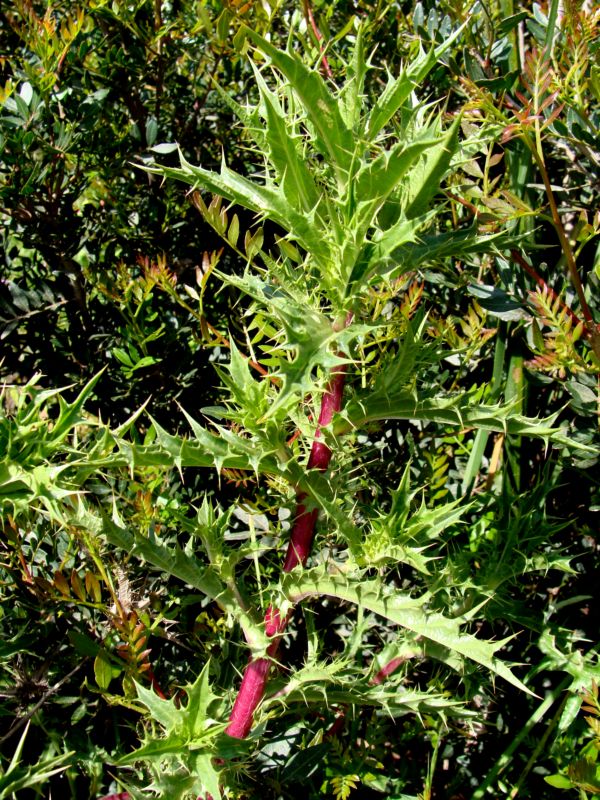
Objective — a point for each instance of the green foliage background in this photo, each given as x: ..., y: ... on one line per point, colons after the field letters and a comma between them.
x: 145, y: 498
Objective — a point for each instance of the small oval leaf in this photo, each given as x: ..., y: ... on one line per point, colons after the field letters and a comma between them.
x: 92, y: 585
x: 77, y: 585
x: 103, y: 670
x: 233, y: 233
x: 62, y: 584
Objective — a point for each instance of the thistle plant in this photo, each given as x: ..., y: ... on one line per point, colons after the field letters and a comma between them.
x: 351, y: 205
x: 334, y: 341
x: 350, y: 190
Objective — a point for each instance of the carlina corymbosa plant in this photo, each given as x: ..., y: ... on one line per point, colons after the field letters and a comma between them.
x: 330, y: 181
x: 341, y: 344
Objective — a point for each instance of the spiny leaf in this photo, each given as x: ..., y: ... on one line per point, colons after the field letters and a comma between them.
x: 336, y: 682
x: 399, y: 89
x: 462, y: 410
x: 293, y: 174
x: 71, y: 413
x: 224, y: 449
x: 333, y: 139
x: 400, y: 248
x: 249, y: 395
x: 248, y: 116
x: 171, y: 560
x: 191, y: 720
x: 16, y: 777
x: 426, y: 176
x: 188, y: 736
x: 309, y: 337
x: 395, y: 536
x: 410, y: 612
x: 267, y: 201
x: 351, y: 97
x: 378, y: 178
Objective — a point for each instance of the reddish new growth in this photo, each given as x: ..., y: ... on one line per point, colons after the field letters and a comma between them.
x: 255, y: 676
x: 387, y: 670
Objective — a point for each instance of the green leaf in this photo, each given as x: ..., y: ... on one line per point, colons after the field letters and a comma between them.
x: 16, y: 778
x: 461, y: 410
x: 559, y: 781
x: 309, y: 337
x: 164, y: 148
x: 584, y: 669
x: 377, y: 259
x: 249, y: 394
x: 164, y: 711
x: 188, y: 736
x: 103, y: 671
x: 333, y: 139
x: 351, y: 96
x: 336, y: 682
x: 294, y: 176
x: 169, y: 559
x: 191, y: 721
x: 234, y: 231
x: 267, y: 201
x: 248, y: 116
x: 398, y: 90
x: 151, y: 131
x: 376, y: 180
x: 426, y: 176
x: 394, y: 536
x: 500, y: 304
x: 206, y: 449
x: 172, y: 560
x: 303, y: 763
x: 71, y: 414
x: 84, y: 645
x: 200, y: 698
x: 432, y: 248
x: 410, y: 612
x: 204, y: 766
x: 12, y: 487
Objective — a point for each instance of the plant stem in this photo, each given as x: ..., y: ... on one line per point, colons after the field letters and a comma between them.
x: 308, y: 14
x: 538, y: 749
x: 515, y: 394
x: 387, y: 670
x: 255, y: 677
x: 252, y: 687
x: 481, y: 437
x: 320, y: 455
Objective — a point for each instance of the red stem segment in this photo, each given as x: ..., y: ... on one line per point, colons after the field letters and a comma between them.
x: 319, y: 37
x: 252, y: 687
x: 387, y: 670
x: 256, y: 673
x: 303, y: 531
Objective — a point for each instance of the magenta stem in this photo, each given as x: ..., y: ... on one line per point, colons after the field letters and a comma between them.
x: 255, y: 677
x: 250, y: 694
x: 253, y: 684
x: 303, y: 532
